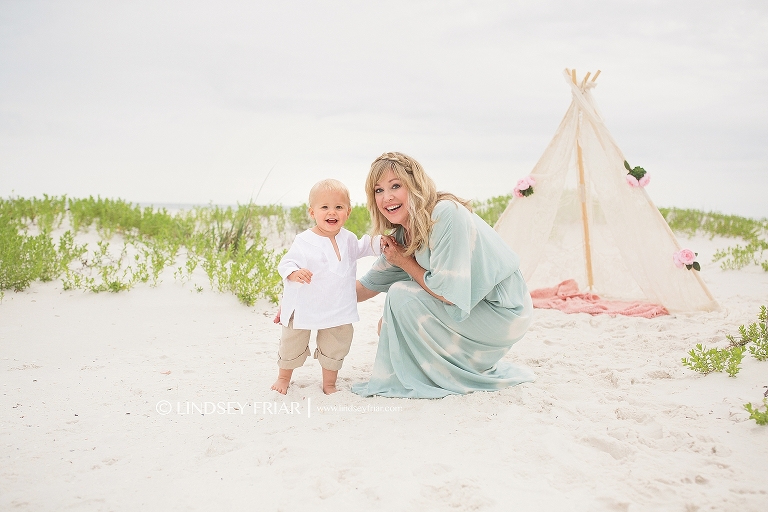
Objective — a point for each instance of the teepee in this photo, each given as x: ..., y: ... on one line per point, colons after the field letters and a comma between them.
x: 584, y: 221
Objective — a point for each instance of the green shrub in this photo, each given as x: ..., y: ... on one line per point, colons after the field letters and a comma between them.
x: 46, y: 213
x: 359, y: 221
x: 760, y: 417
x: 24, y: 258
x: 229, y: 236
x: 692, y: 221
x: 706, y: 361
x: 248, y: 272
x: 491, y: 209
x: 737, y: 257
x: 755, y: 336
x: 300, y: 217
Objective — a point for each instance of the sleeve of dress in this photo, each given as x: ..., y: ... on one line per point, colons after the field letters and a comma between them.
x: 291, y: 261
x: 451, y: 244
x: 383, y: 275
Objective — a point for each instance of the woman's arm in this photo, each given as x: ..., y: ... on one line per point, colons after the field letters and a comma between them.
x: 363, y: 293
x: 394, y: 254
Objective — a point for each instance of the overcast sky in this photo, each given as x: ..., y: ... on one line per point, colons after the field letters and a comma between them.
x: 192, y: 102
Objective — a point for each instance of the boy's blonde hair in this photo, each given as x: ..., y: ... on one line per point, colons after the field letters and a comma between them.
x: 329, y: 185
x: 422, y: 198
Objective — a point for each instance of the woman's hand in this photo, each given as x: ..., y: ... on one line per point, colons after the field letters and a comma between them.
x: 394, y: 252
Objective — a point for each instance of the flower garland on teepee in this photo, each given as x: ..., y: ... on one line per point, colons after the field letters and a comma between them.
x: 686, y: 258
x: 637, y: 177
x: 524, y: 187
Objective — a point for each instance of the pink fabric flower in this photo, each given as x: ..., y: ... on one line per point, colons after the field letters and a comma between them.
x: 646, y: 179
x: 687, y: 256
x: 633, y: 181
x: 684, y: 257
x: 523, y: 184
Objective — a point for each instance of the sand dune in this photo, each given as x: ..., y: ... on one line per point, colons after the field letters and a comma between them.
x: 159, y: 398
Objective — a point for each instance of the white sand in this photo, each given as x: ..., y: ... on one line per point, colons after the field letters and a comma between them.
x: 614, y: 421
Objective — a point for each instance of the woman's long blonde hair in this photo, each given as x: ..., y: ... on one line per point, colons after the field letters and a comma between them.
x: 422, y: 198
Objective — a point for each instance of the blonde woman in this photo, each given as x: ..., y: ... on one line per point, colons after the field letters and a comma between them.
x: 456, y: 300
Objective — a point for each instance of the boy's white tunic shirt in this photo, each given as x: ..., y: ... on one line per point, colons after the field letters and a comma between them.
x: 330, y: 299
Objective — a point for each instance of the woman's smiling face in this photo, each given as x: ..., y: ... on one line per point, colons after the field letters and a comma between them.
x: 392, y: 198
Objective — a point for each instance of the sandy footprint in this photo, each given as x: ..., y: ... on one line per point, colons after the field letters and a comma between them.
x: 456, y: 494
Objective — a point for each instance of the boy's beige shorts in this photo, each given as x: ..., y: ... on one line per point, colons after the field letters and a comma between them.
x: 332, y: 346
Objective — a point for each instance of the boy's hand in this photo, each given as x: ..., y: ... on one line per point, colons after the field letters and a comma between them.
x: 302, y: 275
x: 277, y: 316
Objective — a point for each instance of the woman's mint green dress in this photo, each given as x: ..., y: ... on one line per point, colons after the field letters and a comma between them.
x: 430, y: 349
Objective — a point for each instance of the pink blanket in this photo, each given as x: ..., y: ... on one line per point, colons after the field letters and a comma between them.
x: 566, y: 297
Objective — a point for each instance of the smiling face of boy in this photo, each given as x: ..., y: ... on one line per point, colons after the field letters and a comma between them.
x: 330, y: 210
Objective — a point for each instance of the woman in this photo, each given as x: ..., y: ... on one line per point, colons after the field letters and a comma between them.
x: 456, y: 301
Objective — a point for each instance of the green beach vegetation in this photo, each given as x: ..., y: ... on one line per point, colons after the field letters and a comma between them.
x: 491, y: 209
x: 753, y: 232
x: 704, y: 360
x: 752, y: 337
x: 760, y: 417
x: 43, y: 239
x: 134, y: 244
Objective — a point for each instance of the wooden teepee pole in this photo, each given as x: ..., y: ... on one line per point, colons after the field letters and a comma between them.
x: 584, y: 218
x: 583, y: 197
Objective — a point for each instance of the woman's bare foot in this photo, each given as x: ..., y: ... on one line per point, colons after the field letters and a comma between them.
x: 283, y: 381
x: 329, y: 381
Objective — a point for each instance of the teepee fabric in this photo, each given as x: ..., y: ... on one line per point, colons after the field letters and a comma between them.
x: 605, y: 227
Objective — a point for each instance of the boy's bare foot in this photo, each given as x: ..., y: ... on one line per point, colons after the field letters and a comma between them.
x: 283, y: 381
x: 281, y: 385
x: 329, y: 381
